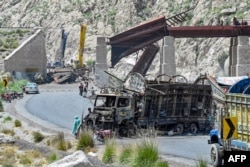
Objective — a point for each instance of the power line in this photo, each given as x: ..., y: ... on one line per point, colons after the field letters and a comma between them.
x: 37, y: 27
x: 18, y: 27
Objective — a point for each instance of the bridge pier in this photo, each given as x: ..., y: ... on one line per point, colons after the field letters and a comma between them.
x: 101, y: 62
x: 167, y: 58
x: 239, y: 63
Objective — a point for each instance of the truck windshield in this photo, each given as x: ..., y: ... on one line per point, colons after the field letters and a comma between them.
x: 123, y: 102
x: 105, y: 101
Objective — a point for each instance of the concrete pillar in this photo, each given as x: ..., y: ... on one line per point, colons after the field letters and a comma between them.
x: 233, y: 56
x: 101, y: 62
x: 243, y: 52
x: 168, y: 65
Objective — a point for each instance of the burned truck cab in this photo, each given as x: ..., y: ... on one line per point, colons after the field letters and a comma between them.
x: 111, y: 111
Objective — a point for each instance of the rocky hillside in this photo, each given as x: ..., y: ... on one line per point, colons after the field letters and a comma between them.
x: 107, y: 18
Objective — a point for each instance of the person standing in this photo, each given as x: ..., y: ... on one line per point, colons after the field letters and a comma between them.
x: 80, y: 89
x: 85, y: 89
x: 77, y: 124
x: 86, y: 84
x: 92, y: 91
x: 87, y: 116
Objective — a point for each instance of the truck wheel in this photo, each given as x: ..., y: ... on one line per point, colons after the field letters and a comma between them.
x: 215, y: 155
x: 193, y: 128
x: 180, y: 128
x: 90, y: 125
x: 123, y: 131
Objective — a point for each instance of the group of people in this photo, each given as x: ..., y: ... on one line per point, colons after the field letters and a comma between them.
x: 83, y: 89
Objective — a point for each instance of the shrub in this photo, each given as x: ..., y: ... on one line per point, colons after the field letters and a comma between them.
x: 161, y: 164
x: 126, y: 154
x: 18, y: 123
x: 8, y: 118
x: 90, y: 62
x: 109, y: 152
x: 37, y: 137
x: 8, y: 131
x: 14, y: 85
x: 69, y: 145
x: 25, y: 160
x: 1, y: 106
x: 146, y: 153
x: 61, y: 142
x: 201, y: 162
x: 48, y: 142
x: 52, y: 157
x: 85, y: 140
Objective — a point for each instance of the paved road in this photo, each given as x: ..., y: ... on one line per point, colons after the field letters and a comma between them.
x: 190, y: 147
x: 59, y: 108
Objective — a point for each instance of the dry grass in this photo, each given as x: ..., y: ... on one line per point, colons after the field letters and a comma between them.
x: 6, y: 131
x: 59, y: 142
x: 126, y: 154
x: 85, y: 141
x: 25, y: 160
x: 110, y: 152
x: 201, y: 162
x: 11, y: 155
x: 33, y: 153
x: 8, y: 157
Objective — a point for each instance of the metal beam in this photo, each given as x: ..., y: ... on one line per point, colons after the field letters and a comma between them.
x: 209, y: 31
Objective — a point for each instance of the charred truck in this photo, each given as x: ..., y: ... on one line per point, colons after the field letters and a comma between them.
x: 165, y: 106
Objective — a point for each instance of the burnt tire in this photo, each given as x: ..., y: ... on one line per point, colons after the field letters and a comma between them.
x: 215, y: 155
x: 90, y: 125
x: 123, y: 131
x: 193, y: 128
x: 179, y: 128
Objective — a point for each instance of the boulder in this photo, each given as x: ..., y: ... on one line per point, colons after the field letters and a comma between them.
x: 77, y: 159
x: 4, y: 139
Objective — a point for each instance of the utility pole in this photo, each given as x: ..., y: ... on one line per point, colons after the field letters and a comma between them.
x: 63, y: 45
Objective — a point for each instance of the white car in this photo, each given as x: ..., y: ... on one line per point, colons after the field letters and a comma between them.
x: 31, y: 87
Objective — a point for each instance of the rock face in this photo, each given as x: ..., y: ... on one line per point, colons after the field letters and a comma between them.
x: 107, y: 18
x: 77, y: 159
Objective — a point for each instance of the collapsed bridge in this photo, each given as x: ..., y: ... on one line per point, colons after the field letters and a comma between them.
x: 149, y: 32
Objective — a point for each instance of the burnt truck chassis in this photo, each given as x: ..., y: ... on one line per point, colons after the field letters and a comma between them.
x: 165, y: 106
x: 180, y: 107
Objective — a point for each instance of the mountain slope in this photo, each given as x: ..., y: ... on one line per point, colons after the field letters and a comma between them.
x: 107, y: 18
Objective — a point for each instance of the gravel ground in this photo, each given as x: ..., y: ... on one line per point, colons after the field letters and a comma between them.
x: 25, y: 142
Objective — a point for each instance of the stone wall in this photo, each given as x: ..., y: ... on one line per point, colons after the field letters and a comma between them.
x: 29, y: 57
